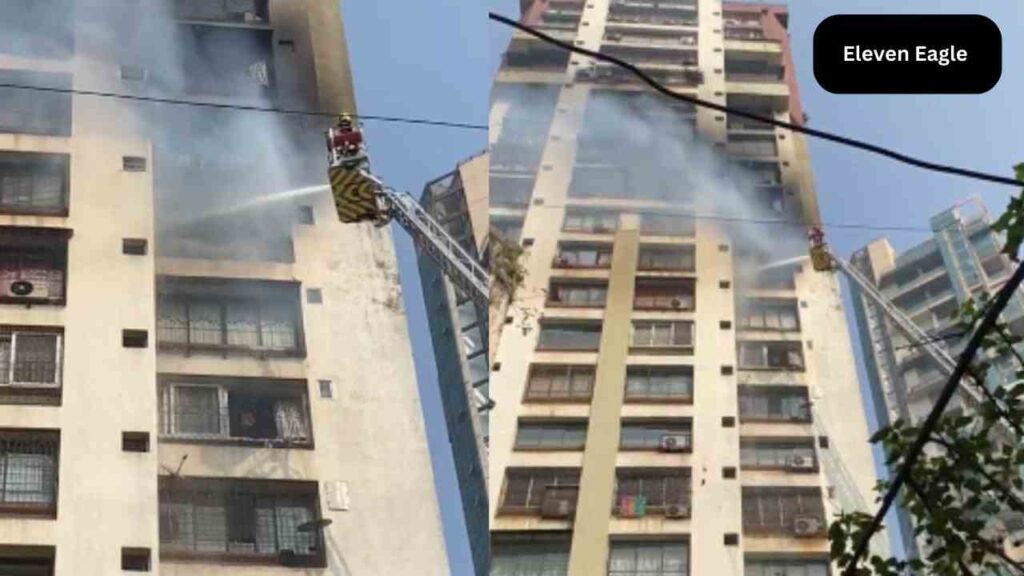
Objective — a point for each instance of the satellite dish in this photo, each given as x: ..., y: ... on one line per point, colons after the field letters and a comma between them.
x: 314, y: 525
x: 22, y: 288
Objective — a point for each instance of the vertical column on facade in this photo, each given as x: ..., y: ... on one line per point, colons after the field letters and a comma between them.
x: 590, y: 536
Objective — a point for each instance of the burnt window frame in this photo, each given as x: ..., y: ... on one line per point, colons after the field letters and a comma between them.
x: 227, y: 415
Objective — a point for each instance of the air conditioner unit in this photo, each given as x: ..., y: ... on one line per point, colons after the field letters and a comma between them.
x: 677, y: 511
x: 800, y: 464
x: 674, y: 443
x: 807, y: 526
x: 26, y: 289
x: 556, y: 507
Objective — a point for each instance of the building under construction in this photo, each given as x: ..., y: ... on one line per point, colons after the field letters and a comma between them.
x: 190, y: 341
x: 674, y: 384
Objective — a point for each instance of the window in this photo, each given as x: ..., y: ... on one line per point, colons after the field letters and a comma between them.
x: 242, y: 519
x: 667, y: 225
x: 27, y: 560
x: 30, y: 358
x: 525, y: 489
x: 577, y: 294
x: 651, y: 334
x: 599, y: 221
x: 752, y: 145
x: 35, y: 111
x: 529, y: 554
x: 226, y: 61
x: 677, y: 258
x: 658, y: 488
x: 769, y: 453
x: 242, y: 316
x: 38, y: 28
x: 664, y: 294
x: 33, y: 183
x: 544, y: 435
x: 269, y: 413
x: 33, y: 262
x: 28, y: 472
x: 774, y: 403
x: 659, y: 383
x: 765, y: 314
x: 777, y: 278
x: 560, y: 383
x: 647, y: 435
x: 775, y: 510
x: 771, y: 356
x: 584, y: 256
x: 782, y: 567
x: 569, y: 336
x: 634, y: 558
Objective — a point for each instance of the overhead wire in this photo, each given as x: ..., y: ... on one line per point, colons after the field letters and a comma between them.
x: 661, y: 88
x: 244, y: 107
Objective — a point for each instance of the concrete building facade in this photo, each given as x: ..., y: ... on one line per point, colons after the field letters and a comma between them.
x: 459, y: 333
x: 192, y: 378
x: 670, y: 400
x: 928, y: 283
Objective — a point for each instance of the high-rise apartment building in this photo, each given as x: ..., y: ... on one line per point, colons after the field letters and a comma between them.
x: 675, y: 393
x: 190, y: 347
x: 928, y: 283
x: 459, y: 333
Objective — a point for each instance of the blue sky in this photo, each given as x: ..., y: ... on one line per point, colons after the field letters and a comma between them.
x: 434, y: 59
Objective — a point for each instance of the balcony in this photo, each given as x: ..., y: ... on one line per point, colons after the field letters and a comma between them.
x: 664, y: 294
x: 653, y: 491
x: 272, y: 414
x: 229, y: 317
x: 241, y: 521
x: 627, y: 38
x: 250, y: 12
x: 792, y: 512
x: 546, y: 492
x: 671, y: 74
x: 33, y: 265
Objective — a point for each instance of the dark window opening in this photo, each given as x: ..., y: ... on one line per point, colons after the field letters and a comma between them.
x: 135, y: 441
x: 226, y: 61
x: 135, y: 559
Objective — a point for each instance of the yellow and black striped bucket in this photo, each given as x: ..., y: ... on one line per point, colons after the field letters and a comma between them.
x: 355, y: 195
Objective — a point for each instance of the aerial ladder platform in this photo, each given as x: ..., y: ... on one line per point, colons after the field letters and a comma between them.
x: 359, y: 196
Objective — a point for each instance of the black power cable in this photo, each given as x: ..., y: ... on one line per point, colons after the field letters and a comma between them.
x: 244, y: 107
x: 787, y: 125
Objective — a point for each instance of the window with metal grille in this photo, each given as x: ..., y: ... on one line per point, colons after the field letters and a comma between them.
x: 769, y: 314
x: 667, y: 225
x: 777, y: 454
x: 761, y: 355
x: 33, y: 265
x: 30, y: 358
x: 597, y: 221
x: 529, y: 554
x: 659, y: 384
x: 267, y: 412
x: 562, y: 383
x: 28, y: 472
x: 659, y: 488
x: 240, y: 519
x: 241, y: 318
x: 775, y: 510
x: 561, y: 335
x: 786, y: 567
x: 648, y: 435
x: 674, y: 258
x: 646, y: 558
x: 548, y: 435
x: 774, y: 403
x: 577, y: 293
x: 653, y: 334
x: 525, y: 489
x: 32, y: 183
x: 664, y: 294
x: 572, y: 255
